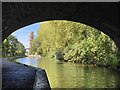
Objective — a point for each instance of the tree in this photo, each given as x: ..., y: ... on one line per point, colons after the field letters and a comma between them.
x: 78, y: 42
x: 12, y: 47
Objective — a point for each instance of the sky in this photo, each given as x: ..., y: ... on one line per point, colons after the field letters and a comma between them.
x: 22, y: 34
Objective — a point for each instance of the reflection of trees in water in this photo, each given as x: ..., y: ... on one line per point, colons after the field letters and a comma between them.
x: 60, y: 74
x: 71, y: 75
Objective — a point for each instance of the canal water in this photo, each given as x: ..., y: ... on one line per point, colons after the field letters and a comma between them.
x: 71, y: 75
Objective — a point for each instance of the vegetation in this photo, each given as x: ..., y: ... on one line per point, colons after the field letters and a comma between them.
x: 12, y: 47
x: 76, y: 42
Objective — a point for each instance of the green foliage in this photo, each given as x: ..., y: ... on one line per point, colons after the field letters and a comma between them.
x: 78, y: 42
x: 12, y: 47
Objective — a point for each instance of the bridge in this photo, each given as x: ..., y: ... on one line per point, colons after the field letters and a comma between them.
x: 103, y: 16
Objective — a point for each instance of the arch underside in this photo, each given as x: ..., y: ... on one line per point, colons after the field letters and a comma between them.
x: 103, y: 16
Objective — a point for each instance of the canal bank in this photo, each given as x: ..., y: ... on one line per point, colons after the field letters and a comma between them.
x: 15, y: 76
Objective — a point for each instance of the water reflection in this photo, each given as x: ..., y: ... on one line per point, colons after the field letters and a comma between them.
x: 70, y: 75
x: 29, y: 61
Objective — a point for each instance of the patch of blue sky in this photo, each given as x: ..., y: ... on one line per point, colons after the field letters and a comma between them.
x: 23, y: 34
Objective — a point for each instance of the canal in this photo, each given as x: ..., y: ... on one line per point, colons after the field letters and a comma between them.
x: 71, y: 75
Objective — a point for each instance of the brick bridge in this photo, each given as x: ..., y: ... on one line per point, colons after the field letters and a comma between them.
x: 15, y: 15
x: 103, y: 16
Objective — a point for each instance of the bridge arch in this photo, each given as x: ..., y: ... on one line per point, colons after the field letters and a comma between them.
x: 103, y: 16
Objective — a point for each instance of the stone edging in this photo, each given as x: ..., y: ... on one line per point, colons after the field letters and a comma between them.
x: 41, y: 80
